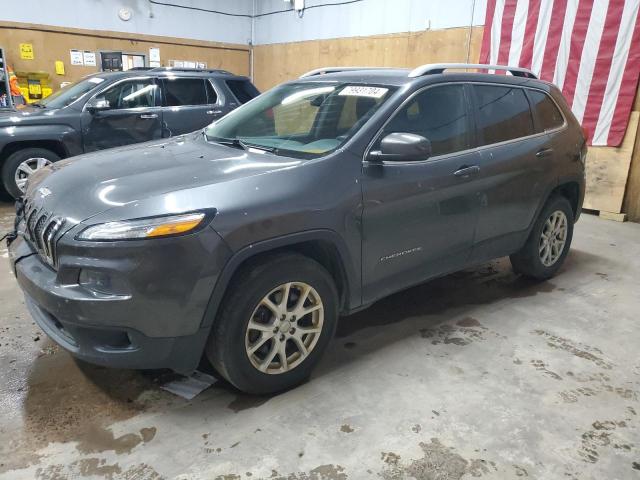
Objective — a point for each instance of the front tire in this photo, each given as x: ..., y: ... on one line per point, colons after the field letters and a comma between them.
x: 548, y: 243
x: 275, y: 322
x: 20, y: 165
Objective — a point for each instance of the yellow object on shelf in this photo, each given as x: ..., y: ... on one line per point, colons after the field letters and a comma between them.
x: 34, y: 85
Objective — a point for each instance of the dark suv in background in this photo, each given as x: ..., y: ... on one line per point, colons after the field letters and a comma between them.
x: 112, y: 109
x: 246, y: 240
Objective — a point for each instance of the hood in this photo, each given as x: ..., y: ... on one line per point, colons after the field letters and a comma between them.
x: 24, y: 114
x: 84, y: 186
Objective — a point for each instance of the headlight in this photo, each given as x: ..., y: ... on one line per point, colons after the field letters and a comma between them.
x: 143, y: 228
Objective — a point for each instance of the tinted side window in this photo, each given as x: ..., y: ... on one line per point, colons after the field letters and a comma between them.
x: 503, y: 113
x: 184, y: 91
x: 212, y: 96
x: 132, y: 94
x: 545, y: 110
x: 438, y: 114
x: 243, y: 90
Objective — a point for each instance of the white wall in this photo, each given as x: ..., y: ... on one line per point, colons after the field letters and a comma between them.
x: 369, y: 17
x: 166, y: 21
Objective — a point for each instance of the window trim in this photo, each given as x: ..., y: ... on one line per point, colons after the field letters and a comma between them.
x: 117, y: 82
x: 475, y: 137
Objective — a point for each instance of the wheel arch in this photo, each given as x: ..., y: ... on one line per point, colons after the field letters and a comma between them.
x: 56, y: 146
x: 571, y: 191
x: 324, y: 246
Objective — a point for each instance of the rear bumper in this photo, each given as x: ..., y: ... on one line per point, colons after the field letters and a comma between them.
x: 154, y: 321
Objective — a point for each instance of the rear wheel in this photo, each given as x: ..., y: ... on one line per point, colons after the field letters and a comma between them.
x: 20, y: 165
x: 549, y: 241
x: 275, y: 322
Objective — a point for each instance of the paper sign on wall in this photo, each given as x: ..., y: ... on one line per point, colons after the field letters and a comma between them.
x: 76, y: 57
x: 154, y: 55
x: 154, y: 64
x: 89, y: 58
x: 26, y: 51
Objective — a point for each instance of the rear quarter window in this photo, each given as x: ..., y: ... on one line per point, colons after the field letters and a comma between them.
x: 502, y: 113
x: 243, y: 90
x: 545, y: 110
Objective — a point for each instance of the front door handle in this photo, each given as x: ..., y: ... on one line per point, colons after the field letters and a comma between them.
x: 543, y: 152
x: 466, y: 171
x: 149, y: 115
x: 214, y: 112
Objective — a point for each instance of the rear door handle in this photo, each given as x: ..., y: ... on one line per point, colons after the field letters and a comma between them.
x: 214, y: 112
x: 466, y: 171
x: 544, y: 152
x: 149, y: 115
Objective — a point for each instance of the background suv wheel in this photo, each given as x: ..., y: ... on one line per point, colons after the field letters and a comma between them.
x: 20, y: 165
x: 275, y: 322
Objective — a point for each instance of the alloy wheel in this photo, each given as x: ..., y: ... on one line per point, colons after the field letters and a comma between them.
x: 284, y: 328
x: 28, y: 168
x: 553, y: 238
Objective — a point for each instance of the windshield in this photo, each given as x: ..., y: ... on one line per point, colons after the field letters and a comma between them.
x: 301, y: 120
x: 69, y: 94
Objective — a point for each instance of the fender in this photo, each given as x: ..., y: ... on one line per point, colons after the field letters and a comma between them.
x: 353, y: 286
x: 66, y: 135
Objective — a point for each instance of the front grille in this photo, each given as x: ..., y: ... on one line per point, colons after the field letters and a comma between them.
x: 42, y: 230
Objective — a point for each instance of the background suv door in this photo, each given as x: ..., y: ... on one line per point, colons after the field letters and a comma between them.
x: 515, y: 168
x: 419, y: 217
x: 132, y: 116
x: 189, y: 104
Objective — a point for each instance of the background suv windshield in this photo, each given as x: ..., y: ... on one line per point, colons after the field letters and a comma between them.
x: 303, y: 120
x: 69, y: 94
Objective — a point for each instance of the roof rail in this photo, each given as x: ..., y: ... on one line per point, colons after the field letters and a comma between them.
x: 184, y: 69
x: 322, y: 71
x: 431, y: 68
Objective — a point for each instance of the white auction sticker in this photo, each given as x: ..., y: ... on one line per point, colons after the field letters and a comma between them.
x: 361, y: 91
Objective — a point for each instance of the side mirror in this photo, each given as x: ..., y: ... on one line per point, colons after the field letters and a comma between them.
x: 97, y: 104
x: 401, y: 147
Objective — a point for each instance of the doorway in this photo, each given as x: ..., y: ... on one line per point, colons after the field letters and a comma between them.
x: 121, y: 61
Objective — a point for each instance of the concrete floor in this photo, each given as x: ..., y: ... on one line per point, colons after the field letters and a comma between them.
x: 479, y: 374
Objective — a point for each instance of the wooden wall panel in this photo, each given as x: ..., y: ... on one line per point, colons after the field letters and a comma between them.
x: 607, y: 171
x: 53, y: 43
x: 631, y: 205
x: 277, y: 63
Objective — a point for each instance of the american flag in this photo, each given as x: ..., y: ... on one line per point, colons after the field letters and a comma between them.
x: 589, y: 48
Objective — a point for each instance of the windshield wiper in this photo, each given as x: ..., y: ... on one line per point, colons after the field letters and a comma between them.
x: 237, y: 143
x: 229, y: 142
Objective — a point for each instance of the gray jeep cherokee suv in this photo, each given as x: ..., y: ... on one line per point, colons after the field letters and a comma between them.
x: 245, y: 241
